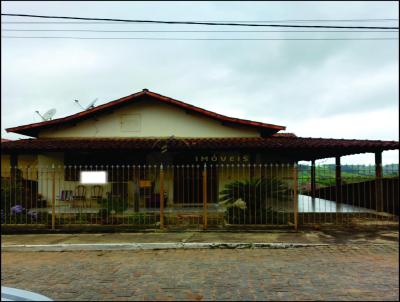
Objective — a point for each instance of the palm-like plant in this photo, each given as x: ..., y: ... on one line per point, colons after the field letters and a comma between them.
x: 253, y: 191
x: 247, y: 200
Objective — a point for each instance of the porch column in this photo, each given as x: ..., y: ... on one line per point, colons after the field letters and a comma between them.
x: 161, y: 197
x: 378, y: 181
x: 295, y: 198
x: 338, y: 180
x: 13, y: 179
x: 313, y: 183
x: 205, y: 218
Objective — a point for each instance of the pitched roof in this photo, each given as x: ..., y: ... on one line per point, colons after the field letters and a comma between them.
x: 33, y: 129
x: 297, y: 147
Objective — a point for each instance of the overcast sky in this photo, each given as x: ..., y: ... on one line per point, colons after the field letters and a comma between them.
x: 332, y: 89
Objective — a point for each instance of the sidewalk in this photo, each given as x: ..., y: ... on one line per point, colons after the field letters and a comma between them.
x: 166, y: 240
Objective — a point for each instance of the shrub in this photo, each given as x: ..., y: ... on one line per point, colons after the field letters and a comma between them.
x: 113, y: 206
x: 249, y: 201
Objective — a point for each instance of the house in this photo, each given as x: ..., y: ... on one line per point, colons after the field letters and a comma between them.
x: 146, y: 130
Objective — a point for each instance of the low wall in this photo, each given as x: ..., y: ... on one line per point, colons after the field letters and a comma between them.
x: 364, y: 194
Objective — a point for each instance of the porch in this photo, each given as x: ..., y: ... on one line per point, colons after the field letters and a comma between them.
x: 201, y: 182
x: 198, y: 196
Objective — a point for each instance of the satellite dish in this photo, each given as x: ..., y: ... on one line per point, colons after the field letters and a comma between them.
x: 91, y: 105
x: 48, y: 114
x: 77, y: 102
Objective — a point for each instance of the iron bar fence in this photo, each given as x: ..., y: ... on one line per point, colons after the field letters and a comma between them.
x: 197, y: 195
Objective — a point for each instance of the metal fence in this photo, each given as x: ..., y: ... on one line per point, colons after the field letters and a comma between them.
x: 197, y: 196
x: 358, y: 193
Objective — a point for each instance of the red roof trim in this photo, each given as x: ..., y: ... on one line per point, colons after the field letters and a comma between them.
x: 32, y: 129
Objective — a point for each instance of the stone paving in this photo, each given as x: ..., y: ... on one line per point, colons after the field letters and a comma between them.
x: 334, y: 272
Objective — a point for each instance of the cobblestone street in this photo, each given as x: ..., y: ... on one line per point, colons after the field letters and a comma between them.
x: 335, y: 272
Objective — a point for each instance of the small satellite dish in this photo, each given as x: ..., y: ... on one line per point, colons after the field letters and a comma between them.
x: 90, y: 106
x: 77, y: 102
x: 48, y: 114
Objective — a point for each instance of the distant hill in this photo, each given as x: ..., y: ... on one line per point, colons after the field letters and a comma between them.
x: 325, y: 174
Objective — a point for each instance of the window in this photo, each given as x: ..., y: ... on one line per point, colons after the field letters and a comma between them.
x: 93, y: 177
x: 130, y: 123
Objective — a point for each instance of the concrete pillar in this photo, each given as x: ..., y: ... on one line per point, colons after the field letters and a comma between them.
x: 338, y: 180
x: 313, y: 181
x: 205, y: 212
x: 161, y: 197
x: 295, y: 198
x: 378, y: 181
x: 13, y: 181
x: 378, y: 164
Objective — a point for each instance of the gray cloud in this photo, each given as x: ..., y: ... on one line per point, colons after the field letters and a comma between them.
x: 293, y: 83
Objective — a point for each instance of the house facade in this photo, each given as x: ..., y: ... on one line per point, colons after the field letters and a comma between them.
x: 133, y: 138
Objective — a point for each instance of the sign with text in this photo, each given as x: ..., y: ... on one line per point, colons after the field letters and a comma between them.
x: 222, y: 158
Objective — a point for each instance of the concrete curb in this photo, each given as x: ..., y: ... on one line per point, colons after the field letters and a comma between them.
x: 149, y: 246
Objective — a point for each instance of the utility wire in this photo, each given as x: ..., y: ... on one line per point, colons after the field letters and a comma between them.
x: 196, y: 23
x: 196, y: 31
x: 236, y: 21
x: 122, y: 23
x: 192, y: 39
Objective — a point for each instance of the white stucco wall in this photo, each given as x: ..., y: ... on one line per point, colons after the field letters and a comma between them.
x: 46, y: 161
x: 149, y: 119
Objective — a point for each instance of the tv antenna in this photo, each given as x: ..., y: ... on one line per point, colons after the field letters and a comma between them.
x: 90, y: 106
x: 48, y: 115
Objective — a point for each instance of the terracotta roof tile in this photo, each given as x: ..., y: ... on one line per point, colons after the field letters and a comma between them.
x: 270, y: 143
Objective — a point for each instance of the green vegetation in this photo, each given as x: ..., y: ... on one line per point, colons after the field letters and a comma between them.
x: 114, y: 205
x: 248, y: 201
x: 325, y: 174
x: 12, y: 192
